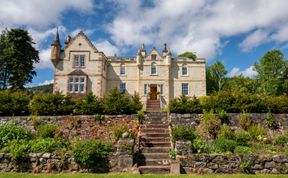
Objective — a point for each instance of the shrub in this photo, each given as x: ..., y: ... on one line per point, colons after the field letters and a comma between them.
x: 223, y: 116
x: 88, y: 153
x: 13, y: 103
x: 270, y: 121
x: 209, y: 125
x: 257, y: 132
x: 224, y: 145
x: 99, y: 117
x: 198, y: 146
x: 88, y: 105
x: 118, y: 129
x: 243, y: 150
x: 281, y: 140
x: 118, y: 103
x: 46, y: 130
x: 19, y: 149
x: 226, y: 132
x: 183, y: 133
x: 245, y: 120
x: 183, y: 104
x: 242, y: 137
x: 9, y: 132
x: 46, y: 145
x: 51, y: 104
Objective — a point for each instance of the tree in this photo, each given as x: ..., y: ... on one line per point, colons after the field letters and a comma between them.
x: 272, y: 73
x: 240, y: 84
x: 215, y: 75
x: 17, y: 56
x: 189, y: 55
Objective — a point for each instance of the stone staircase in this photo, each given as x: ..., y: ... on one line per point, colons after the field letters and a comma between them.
x: 155, y: 144
x: 153, y: 106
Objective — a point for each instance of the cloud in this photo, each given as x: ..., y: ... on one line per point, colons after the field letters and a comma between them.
x: 248, y: 72
x: 254, y: 39
x: 39, y: 13
x: 199, y: 25
x: 87, y: 32
x: 45, y: 61
x: 46, y: 82
x: 106, y: 47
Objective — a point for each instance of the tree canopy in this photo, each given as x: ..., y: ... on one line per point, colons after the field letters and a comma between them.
x: 189, y: 55
x: 17, y: 58
x: 215, y: 75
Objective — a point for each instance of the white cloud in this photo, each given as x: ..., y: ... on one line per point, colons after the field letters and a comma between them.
x: 45, y: 61
x: 199, y: 25
x: 253, y: 40
x: 46, y: 82
x: 106, y: 47
x: 248, y: 72
x: 39, y: 13
x: 85, y: 31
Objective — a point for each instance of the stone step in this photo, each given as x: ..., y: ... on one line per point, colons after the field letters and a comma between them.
x: 155, y: 149
x: 156, y: 144
x: 154, y: 169
x: 153, y: 130
x: 154, y: 126
x: 153, y: 156
x: 162, y: 135
x: 153, y: 162
x: 153, y: 122
x: 154, y: 139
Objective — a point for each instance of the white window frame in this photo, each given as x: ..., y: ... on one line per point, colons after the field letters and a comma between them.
x: 182, y: 89
x: 153, y: 66
x: 145, y: 89
x: 79, y: 61
x: 122, y: 69
x: 186, y: 67
x: 75, y: 83
x: 121, y: 89
x: 161, y: 89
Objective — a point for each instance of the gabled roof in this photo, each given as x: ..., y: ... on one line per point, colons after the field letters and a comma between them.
x: 85, y: 37
x: 77, y: 72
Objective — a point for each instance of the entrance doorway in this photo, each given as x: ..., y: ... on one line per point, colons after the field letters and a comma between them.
x: 153, y: 92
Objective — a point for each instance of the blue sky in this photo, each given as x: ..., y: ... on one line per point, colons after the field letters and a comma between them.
x: 236, y: 32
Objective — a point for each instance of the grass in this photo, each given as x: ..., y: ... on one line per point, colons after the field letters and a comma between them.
x: 25, y: 175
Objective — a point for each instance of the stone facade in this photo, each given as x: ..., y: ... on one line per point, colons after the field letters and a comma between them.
x: 222, y: 163
x: 81, y: 68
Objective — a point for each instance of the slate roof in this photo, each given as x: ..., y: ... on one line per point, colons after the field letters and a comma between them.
x: 77, y: 72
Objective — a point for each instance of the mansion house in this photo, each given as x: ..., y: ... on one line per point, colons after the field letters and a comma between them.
x: 81, y: 68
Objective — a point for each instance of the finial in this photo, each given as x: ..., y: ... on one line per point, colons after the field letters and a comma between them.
x: 56, y: 38
x: 142, y: 47
x: 165, y: 48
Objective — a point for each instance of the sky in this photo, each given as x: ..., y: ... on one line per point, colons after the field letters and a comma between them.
x: 236, y: 32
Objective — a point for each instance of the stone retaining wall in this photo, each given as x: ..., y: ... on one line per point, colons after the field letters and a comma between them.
x: 194, y: 119
x: 120, y: 161
x: 234, y: 163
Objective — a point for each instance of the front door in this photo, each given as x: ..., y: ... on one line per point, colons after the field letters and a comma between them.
x: 153, y: 92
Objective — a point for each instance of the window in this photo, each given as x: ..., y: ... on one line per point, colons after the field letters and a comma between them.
x: 79, y: 61
x: 153, y: 69
x: 145, y: 89
x: 122, y: 69
x: 161, y: 89
x: 76, y: 85
x: 153, y: 57
x: 185, y: 89
x: 82, y: 61
x: 184, y: 70
x: 122, y: 87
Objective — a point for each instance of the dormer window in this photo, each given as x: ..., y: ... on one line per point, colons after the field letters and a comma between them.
x: 153, y: 57
x: 79, y: 61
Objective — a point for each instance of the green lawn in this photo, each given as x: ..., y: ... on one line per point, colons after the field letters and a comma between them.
x: 20, y: 175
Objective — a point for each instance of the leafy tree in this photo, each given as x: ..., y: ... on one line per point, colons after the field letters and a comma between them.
x: 215, y: 77
x: 189, y: 55
x: 17, y: 56
x: 240, y: 84
x: 272, y: 73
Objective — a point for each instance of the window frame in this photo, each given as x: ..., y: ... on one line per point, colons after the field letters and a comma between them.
x: 186, y: 69
x: 75, y: 84
x: 153, y: 66
x: 145, y: 89
x: 122, y: 69
x: 121, y: 89
x: 182, y: 89
x: 153, y: 57
x: 79, y: 61
x: 161, y: 86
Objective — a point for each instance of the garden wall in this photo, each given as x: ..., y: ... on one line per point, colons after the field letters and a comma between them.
x: 225, y: 163
x: 194, y: 119
x: 82, y: 126
x: 119, y: 161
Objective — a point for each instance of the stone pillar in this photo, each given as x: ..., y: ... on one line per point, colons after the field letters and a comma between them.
x: 125, y: 153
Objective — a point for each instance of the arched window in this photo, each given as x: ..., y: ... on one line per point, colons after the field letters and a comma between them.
x: 153, y: 69
x: 122, y: 69
x: 184, y: 70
